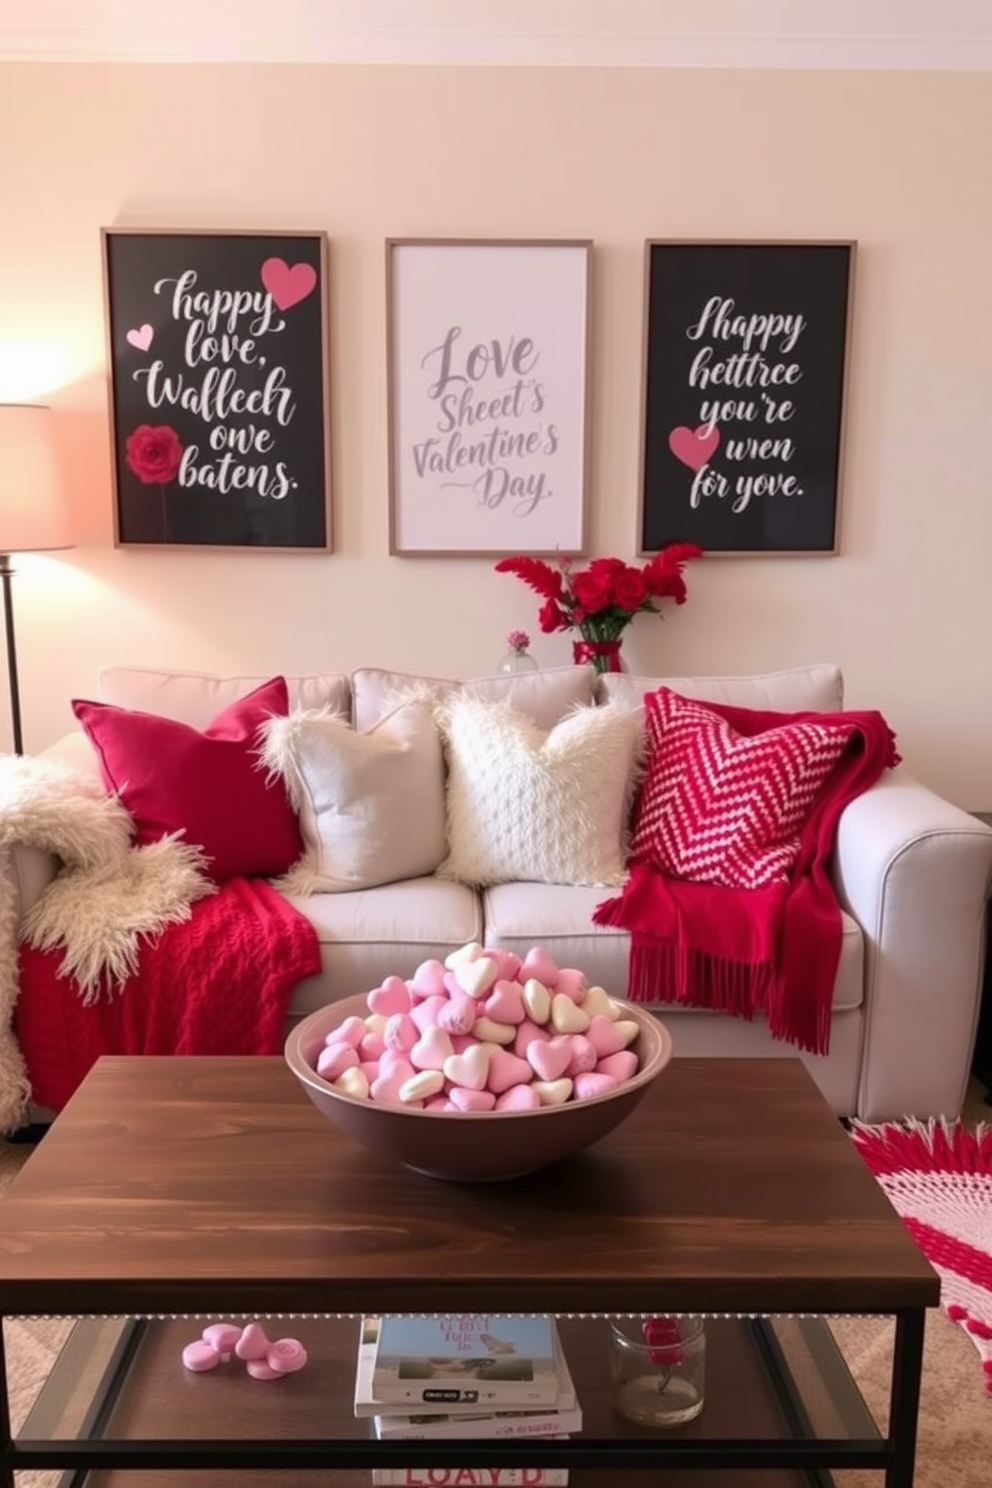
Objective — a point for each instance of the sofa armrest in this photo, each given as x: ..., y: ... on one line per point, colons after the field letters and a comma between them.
x: 31, y: 869
x: 915, y: 871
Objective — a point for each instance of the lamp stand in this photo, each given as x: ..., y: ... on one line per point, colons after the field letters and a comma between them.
x: 6, y: 574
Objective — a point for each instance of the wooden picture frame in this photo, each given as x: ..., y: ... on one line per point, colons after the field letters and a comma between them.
x: 488, y: 395
x: 745, y: 356
x: 217, y: 354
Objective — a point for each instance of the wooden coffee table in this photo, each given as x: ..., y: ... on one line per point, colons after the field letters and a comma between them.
x: 187, y: 1188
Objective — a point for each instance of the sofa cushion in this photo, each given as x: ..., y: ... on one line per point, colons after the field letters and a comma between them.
x: 818, y: 688
x: 717, y: 806
x: 206, y: 785
x: 559, y: 917
x: 370, y: 801
x: 528, y: 803
x: 544, y: 696
x: 374, y: 933
x: 195, y: 697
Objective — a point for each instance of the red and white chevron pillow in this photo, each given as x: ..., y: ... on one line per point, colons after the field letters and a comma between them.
x: 721, y: 807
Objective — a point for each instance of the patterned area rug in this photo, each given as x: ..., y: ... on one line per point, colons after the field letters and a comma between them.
x: 938, y: 1177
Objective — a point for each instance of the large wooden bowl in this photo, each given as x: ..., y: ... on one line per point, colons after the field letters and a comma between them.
x: 479, y: 1146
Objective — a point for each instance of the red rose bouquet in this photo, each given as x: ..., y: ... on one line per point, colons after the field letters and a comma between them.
x: 601, y: 600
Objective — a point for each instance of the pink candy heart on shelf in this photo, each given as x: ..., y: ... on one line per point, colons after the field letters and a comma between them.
x: 253, y: 1343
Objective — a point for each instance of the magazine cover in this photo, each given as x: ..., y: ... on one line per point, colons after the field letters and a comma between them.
x: 366, y: 1403
x: 474, y: 1359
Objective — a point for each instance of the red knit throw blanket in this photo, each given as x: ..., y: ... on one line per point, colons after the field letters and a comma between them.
x: 218, y: 983
x: 740, y: 951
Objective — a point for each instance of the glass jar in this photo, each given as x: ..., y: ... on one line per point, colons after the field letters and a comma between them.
x: 517, y: 661
x: 658, y: 1369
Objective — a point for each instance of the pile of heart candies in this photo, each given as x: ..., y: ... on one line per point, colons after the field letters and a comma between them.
x: 485, y: 1030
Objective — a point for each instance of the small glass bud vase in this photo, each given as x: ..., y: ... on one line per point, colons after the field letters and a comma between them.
x: 518, y: 658
x: 658, y: 1369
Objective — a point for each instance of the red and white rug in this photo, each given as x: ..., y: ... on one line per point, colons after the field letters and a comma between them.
x: 938, y: 1178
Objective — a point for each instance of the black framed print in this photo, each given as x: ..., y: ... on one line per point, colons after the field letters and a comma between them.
x: 745, y: 366
x: 217, y: 357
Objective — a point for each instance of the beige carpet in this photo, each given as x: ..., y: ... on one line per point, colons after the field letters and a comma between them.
x: 955, y: 1436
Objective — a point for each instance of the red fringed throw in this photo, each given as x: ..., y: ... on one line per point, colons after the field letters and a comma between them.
x: 773, y: 949
x: 218, y: 983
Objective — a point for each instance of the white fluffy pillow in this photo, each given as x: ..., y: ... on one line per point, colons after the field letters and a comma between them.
x: 370, y: 803
x: 525, y: 804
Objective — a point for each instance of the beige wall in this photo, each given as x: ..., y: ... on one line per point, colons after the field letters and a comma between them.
x: 899, y: 161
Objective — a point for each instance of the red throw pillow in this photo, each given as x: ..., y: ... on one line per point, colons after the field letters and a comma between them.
x: 209, y: 786
x: 720, y: 807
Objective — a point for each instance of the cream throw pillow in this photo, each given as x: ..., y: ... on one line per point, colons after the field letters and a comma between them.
x: 525, y: 804
x: 370, y: 803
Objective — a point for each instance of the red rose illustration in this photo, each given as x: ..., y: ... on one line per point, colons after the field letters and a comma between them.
x: 154, y: 453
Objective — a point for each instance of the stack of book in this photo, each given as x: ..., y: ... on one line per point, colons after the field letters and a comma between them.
x: 444, y: 1377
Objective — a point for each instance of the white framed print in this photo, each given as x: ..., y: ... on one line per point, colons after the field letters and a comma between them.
x: 488, y: 394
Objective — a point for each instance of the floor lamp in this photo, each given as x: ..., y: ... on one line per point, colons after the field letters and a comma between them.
x: 33, y: 517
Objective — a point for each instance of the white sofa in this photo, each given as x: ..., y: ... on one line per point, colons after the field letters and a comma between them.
x: 912, y: 873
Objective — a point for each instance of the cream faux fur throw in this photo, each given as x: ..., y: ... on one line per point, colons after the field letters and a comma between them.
x: 108, y: 894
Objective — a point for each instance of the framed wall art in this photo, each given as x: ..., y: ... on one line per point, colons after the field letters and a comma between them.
x: 217, y: 356
x: 488, y: 384
x: 745, y: 361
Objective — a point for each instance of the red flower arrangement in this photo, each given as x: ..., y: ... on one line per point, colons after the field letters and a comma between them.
x: 601, y: 600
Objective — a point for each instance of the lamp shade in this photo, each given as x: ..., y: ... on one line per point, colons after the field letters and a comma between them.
x: 33, y: 516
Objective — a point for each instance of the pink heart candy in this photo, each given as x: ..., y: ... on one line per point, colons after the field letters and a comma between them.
x: 199, y: 1356
x: 537, y: 963
x: 507, y: 963
x: 463, y: 1099
x: 505, y: 1003
x: 584, y: 1057
x: 603, y: 1036
x: 468, y: 1069
x: 400, y: 1033
x: 253, y: 1343
x: 458, y: 1014
x: 518, y: 1098
x: 527, y: 1033
x: 386, y: 1089
x: 351, y: 1031
x: 622, y: 1065
x: 462, y: 1041
x: 426, y: 1012
x: 286, y: 1355
x: 393, y: 1059
x: 431, y: 1050
x: 506, y: 1069
x: 549, y: 1059
x: 371, y: 1046
x: 452, y: 987
x: 371, y: 1069
x: 438, y: 1103
x: 428, y: 979
x: 335, y: 1058
x: 392, y: 997
x: 222, y: 1337
x: 573, y: 983
x: 591, y: 1084
x: 262, y: 1369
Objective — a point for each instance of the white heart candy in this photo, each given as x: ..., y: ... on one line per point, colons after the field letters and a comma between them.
x: 476, y: 977
x: 597, y: 1000
x: 627, y: 1029
x: 468, y: 952
x: 537, y: 1000
x: 470, y: 1069
x: 552, y: 1092
x: 421, y: 1086
x: 352, y: 1082
x: 492, y: 1032
x: 567, y: 1016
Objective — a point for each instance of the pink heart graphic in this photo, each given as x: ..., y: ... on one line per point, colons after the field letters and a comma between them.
x: 694, y: 446
x: 140, y: 336
x: 286, y: 285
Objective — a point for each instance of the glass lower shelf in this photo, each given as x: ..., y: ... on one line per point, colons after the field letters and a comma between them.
x: 768, y: 1381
